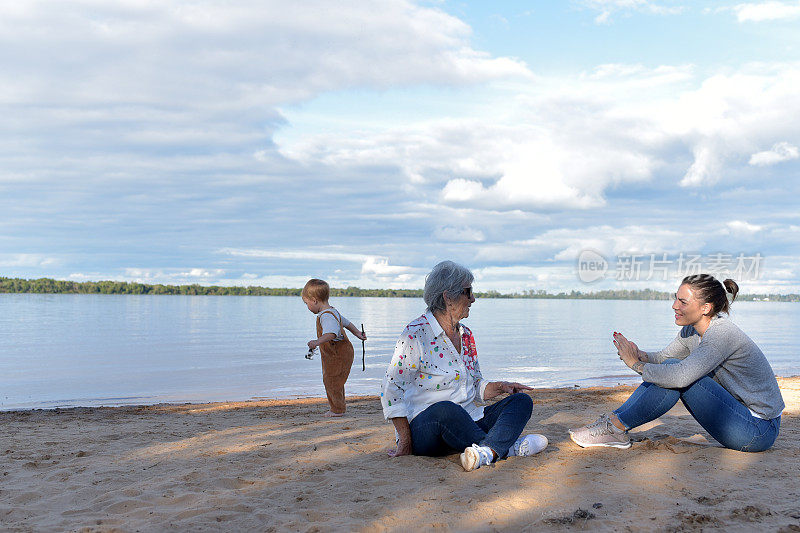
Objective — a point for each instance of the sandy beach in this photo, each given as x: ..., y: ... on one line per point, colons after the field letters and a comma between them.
x: 279, y: 466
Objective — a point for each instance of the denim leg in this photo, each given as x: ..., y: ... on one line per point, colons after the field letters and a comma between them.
x: 504, y: 422
x: 647, y: 403
x: 726, y: 419
x: 443, y: 428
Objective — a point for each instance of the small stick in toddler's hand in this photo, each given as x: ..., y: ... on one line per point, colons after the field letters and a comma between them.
x: 363, y: 350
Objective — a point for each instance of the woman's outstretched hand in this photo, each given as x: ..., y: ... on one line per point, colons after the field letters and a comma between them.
x: 627, y: 350
x: 403, y: 448
x: 499, y: 387
x: 512, y: 387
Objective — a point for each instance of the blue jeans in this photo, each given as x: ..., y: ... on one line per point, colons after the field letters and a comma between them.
x: 725, y: 418
x: 445, y: 427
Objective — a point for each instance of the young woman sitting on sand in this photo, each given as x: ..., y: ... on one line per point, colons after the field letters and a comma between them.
x: 433, y: 380
x: 719, y: 374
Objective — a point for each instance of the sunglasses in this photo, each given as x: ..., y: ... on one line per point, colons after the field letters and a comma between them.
x: 467, y: 291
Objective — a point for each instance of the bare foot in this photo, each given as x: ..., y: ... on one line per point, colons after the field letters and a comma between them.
x: 331, y: 414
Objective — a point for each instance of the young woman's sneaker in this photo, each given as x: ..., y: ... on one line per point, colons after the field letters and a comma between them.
x: 528, y: 445
x: 601, y: 433
x: 475, y: 457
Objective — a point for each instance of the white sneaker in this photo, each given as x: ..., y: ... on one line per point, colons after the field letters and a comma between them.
x: 528, y: 445
x: 475, y: 457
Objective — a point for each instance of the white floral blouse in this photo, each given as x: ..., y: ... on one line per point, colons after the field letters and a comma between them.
x: 426, y: 368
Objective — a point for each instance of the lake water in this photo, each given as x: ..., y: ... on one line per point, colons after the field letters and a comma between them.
x: 88, y: 350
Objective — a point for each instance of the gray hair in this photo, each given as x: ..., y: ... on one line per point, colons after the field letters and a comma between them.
x: 446, y: 277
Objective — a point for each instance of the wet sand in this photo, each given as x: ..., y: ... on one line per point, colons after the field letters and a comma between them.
x: 281, y: 466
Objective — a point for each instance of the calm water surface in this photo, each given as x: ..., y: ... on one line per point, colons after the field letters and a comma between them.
x: 69, y: 350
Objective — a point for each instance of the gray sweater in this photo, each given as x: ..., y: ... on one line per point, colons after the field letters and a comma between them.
x: 731, y: 358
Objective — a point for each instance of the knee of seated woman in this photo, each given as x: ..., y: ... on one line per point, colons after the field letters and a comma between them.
x: 522, y: 399
x: 759, y: 444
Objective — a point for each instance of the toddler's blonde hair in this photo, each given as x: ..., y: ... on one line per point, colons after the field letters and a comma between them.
x: 316, y: 289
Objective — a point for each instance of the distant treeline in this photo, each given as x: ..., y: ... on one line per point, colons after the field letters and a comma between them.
x: 52, y: 286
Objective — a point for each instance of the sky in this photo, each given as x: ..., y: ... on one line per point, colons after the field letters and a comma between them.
x: 575, y: 145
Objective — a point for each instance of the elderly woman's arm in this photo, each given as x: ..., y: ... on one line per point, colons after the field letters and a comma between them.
x: 400, y: 374
x: 403, y: 429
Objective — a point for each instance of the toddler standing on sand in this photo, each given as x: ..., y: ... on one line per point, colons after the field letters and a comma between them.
x: 334, y: 346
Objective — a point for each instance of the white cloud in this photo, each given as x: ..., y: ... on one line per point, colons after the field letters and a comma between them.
x: 563, y: 142
x: 461, y: 190
x: 229, y: 56
x: 637, y: 75
x: 379, y: 266
x: 372, y: 266
x: 255, y: 280
x: 609, y: 7
x: 780, y: 152
x: 759, y: 12
x: 535, y: 175
x: 519, y: 278
x: 201, y: 273
x: 28, y: 260
x: 778, y: 274
x: 723, y: 118
x: 88, y: 276
x: 175, y: 277
x: 322, y: 255
x: 168, y: 276
x: 458, y: 234
x: 139, y: 89
x: 728, y: 115
x: 566, y: 244
x: 546, y: 153
x: 705, y: 169
x: 743, y: 227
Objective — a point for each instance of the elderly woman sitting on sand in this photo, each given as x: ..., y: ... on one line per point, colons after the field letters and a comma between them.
x: 719, y: 374
x: 434, y: 379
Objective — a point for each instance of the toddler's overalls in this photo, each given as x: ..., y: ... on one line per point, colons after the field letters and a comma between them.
x: 337, y: 359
